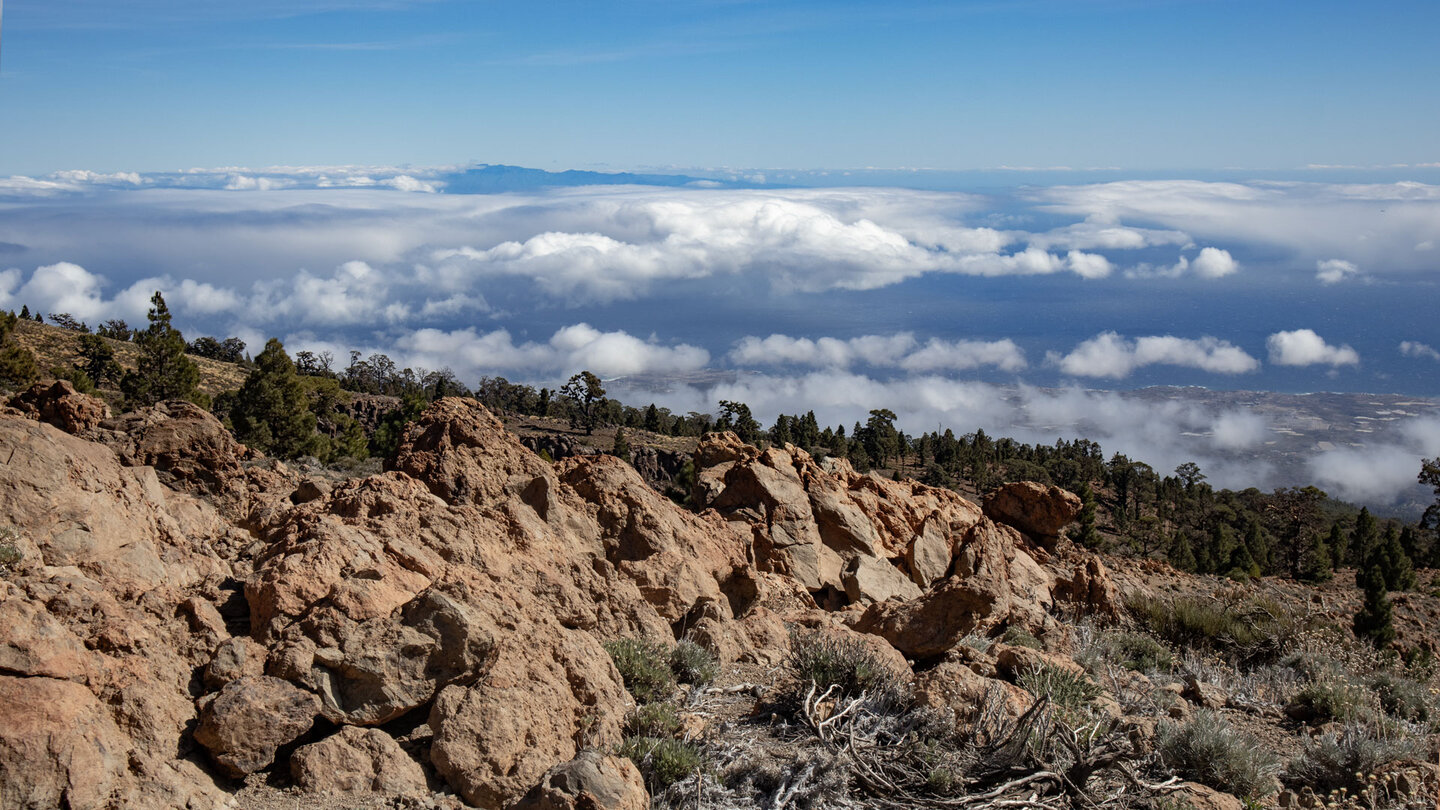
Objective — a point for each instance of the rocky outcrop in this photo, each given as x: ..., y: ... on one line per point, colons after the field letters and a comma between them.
x: 175, y: 596
x: 185, y: 444
x: 59, y: 404
x: 1038, y: 510
x: 59, y: 746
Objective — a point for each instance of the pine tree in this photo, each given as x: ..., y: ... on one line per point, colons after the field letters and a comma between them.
x: 25, y: 312
x: 17, y: 363
x: 1363, y: 537
x: 621, y: 448
x: 272, y: 411
x: 1318, y: 565
x: 163, y: 371
x: 98, y: 360
x: 1241, y: 564
x: 1339, y: 544
x: 1376, y: 619
x: 1395, y: 564
x: 587, y: 397
x: 1182, y: 552
x: 1087, y: 535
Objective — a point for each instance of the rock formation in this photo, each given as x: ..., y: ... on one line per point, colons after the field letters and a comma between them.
x: 185, y: 613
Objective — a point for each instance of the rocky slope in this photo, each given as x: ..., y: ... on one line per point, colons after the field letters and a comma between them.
x: 184, y: 614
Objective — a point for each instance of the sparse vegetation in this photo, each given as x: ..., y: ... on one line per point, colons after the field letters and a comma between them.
x: 662, y: 760
x: 1246, y: 628
x: 693, y: 664
x: 847, y: 664
x: 1207, y: 750
x: 644, y: 667
x: 1071, y: 693
x: 653, y: 720
x: 1020, y: 637
x: 1346, y: 759
x: 10, y: 555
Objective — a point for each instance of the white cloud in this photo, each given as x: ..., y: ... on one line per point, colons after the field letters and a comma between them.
x: 355, y: 293
x: 569, y: 349
x: 1410, y: 348
x: 1302, y: 347
x: 1334, y: 271
x: 1110, y: 355
x: 1382, y: 473
x: 961, y: 355
x: 1088, y: 265
x: 620, y: 243
x: 1096, y: 233
x: 1238, y: 430
x: 899, y: 350
x: 1214, y: 263
x: 1371, y: 225
x: 64, y: 287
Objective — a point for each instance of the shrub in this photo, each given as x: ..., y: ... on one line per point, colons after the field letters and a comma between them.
x: 1251, y: 629
x: 1208, y: 751
x: 1138, y: 651
x: 653, y: 720
x: 10, y: 555
x: 1020, y: 637
x: 643, y: 667
x: 1401, y: 697
x: 662, y: 760
x: 693, y: 664
x: 828, y: 660
x: 1329, y: 699
x: 1070, y: 692
x: 1344, y: 759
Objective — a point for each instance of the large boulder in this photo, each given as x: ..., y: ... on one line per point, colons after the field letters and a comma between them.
x: 590, y: 781
x: 250, y: 718
x: 185, y: 443
x: 543, y: 700
x: 58, y: 747
x: 1036, y: 509
x: 356, y: 760
x: 76, y: 506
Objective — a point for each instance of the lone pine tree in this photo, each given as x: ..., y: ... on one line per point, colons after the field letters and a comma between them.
x: 272, y: 411
x: 163, y: 371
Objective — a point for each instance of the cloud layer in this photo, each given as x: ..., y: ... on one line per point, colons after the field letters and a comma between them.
x: 842, y: 299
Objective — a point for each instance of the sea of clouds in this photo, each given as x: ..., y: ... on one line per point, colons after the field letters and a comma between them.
x: 528, y: 284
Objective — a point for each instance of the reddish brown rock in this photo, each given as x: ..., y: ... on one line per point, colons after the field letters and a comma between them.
x: 463, y: 454
x: 58, y: 747
x: 1201, y: 797
x: 1011, y: 662
x: 1035, y: 509
x: 251, y: 717
x: 59, y: 404
x: 35, y: 643
x: 184, y: 443
x: 542, y: 701
x: 356, y: 760
x: 1091, y: 590
x: 234, y: 658
x: 952, y: 685
x: 590, y: 781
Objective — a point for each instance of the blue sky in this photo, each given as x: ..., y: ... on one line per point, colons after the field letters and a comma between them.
x: 977, y: 214
x: 168, y: 84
